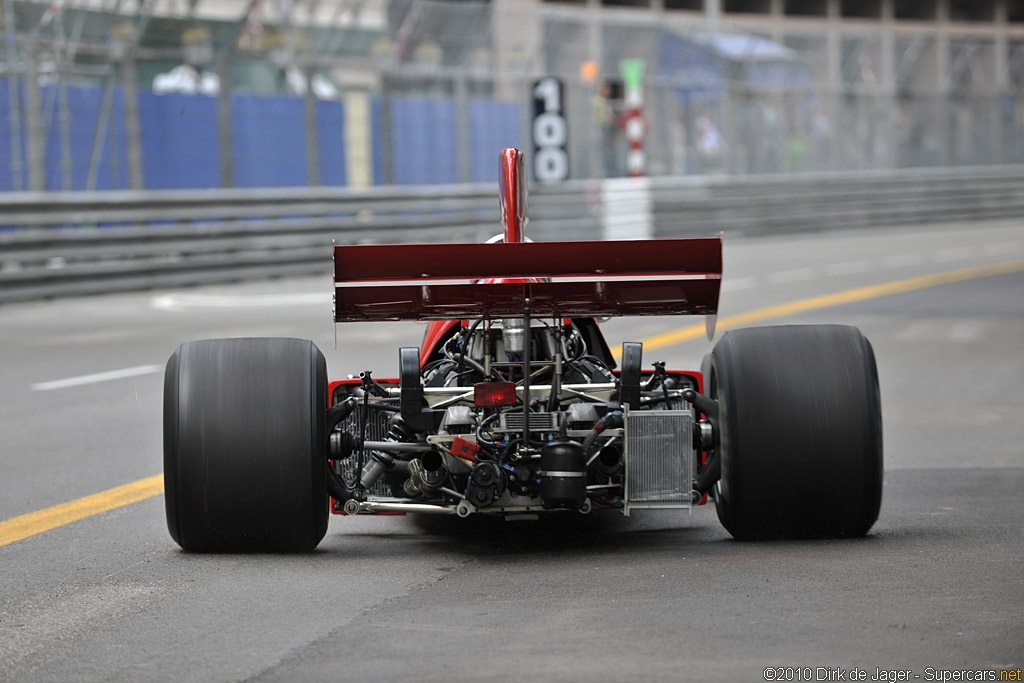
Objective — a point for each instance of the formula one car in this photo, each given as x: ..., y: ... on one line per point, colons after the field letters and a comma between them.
x: 515, y: 405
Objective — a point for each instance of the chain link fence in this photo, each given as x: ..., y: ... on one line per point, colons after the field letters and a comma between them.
x: 192, y: 94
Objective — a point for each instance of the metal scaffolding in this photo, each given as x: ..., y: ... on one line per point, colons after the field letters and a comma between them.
x: 735, y: 88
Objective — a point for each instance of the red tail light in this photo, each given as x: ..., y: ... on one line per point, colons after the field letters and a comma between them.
x: 494, y: 394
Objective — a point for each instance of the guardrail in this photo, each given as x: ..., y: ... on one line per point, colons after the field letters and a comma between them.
x: 832, y: 201
x: 61, y: 244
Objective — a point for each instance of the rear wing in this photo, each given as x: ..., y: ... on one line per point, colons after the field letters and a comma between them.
x: 561, y: 279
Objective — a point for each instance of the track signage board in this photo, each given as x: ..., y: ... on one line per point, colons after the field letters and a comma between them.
x: 549, y: 132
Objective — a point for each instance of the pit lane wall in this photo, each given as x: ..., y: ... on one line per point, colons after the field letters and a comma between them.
x: 64, y: 244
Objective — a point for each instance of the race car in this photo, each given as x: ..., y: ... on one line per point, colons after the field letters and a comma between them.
x: 515, y: 406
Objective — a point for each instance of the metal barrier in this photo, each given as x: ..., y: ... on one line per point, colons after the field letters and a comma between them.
x: 832, y: 201
x: 59, y: 244
x: 62, y: 244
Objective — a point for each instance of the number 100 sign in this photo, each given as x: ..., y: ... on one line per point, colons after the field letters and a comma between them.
x: 549, y: 131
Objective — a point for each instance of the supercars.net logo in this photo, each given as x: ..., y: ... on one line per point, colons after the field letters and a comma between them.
x: 823, y: 673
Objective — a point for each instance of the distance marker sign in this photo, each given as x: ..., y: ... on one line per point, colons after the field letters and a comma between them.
x: 550, y: 132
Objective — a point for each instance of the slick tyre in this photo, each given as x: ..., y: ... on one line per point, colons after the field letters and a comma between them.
x: 244, y: 445
x: 800, y: 428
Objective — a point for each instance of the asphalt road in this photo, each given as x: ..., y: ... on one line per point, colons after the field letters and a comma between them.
x: 937, y: 586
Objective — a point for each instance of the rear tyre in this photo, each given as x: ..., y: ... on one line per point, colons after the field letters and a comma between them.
x: 245, y: 445
x: 800, y: 432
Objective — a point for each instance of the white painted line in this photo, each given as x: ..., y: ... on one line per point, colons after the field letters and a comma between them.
x: 181, y: 302
x: 98, y: 377
x: 1001, y: 248
x: 903, y: 260
x: 791, y: 275
x: 918, y: 331
x: 848, y: 268
x: 737, y: 283
x: 965, y: 332
x: 952, y: 254
x: 941, y: 332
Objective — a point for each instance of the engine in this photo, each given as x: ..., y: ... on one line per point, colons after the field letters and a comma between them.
x: 516, y: 417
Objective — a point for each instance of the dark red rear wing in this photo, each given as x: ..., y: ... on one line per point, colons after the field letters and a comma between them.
x: 414, y: 281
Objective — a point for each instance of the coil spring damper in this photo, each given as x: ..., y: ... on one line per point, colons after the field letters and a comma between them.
x: 563, y: 482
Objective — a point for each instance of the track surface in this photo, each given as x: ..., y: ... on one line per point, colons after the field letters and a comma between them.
x: 662, y: 597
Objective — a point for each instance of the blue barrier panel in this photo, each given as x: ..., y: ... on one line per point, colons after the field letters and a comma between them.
x: 330, y: 131
x: 7, y: 182
x: 493, y: 126
x: 180, y: 141
x: 54, y: 152
x: 84, y: 104
x: 423, y: 148
x: 268, y: 140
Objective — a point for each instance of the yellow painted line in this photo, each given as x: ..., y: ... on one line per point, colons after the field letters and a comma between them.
x: 689, y: 332
x: 34, y: 523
